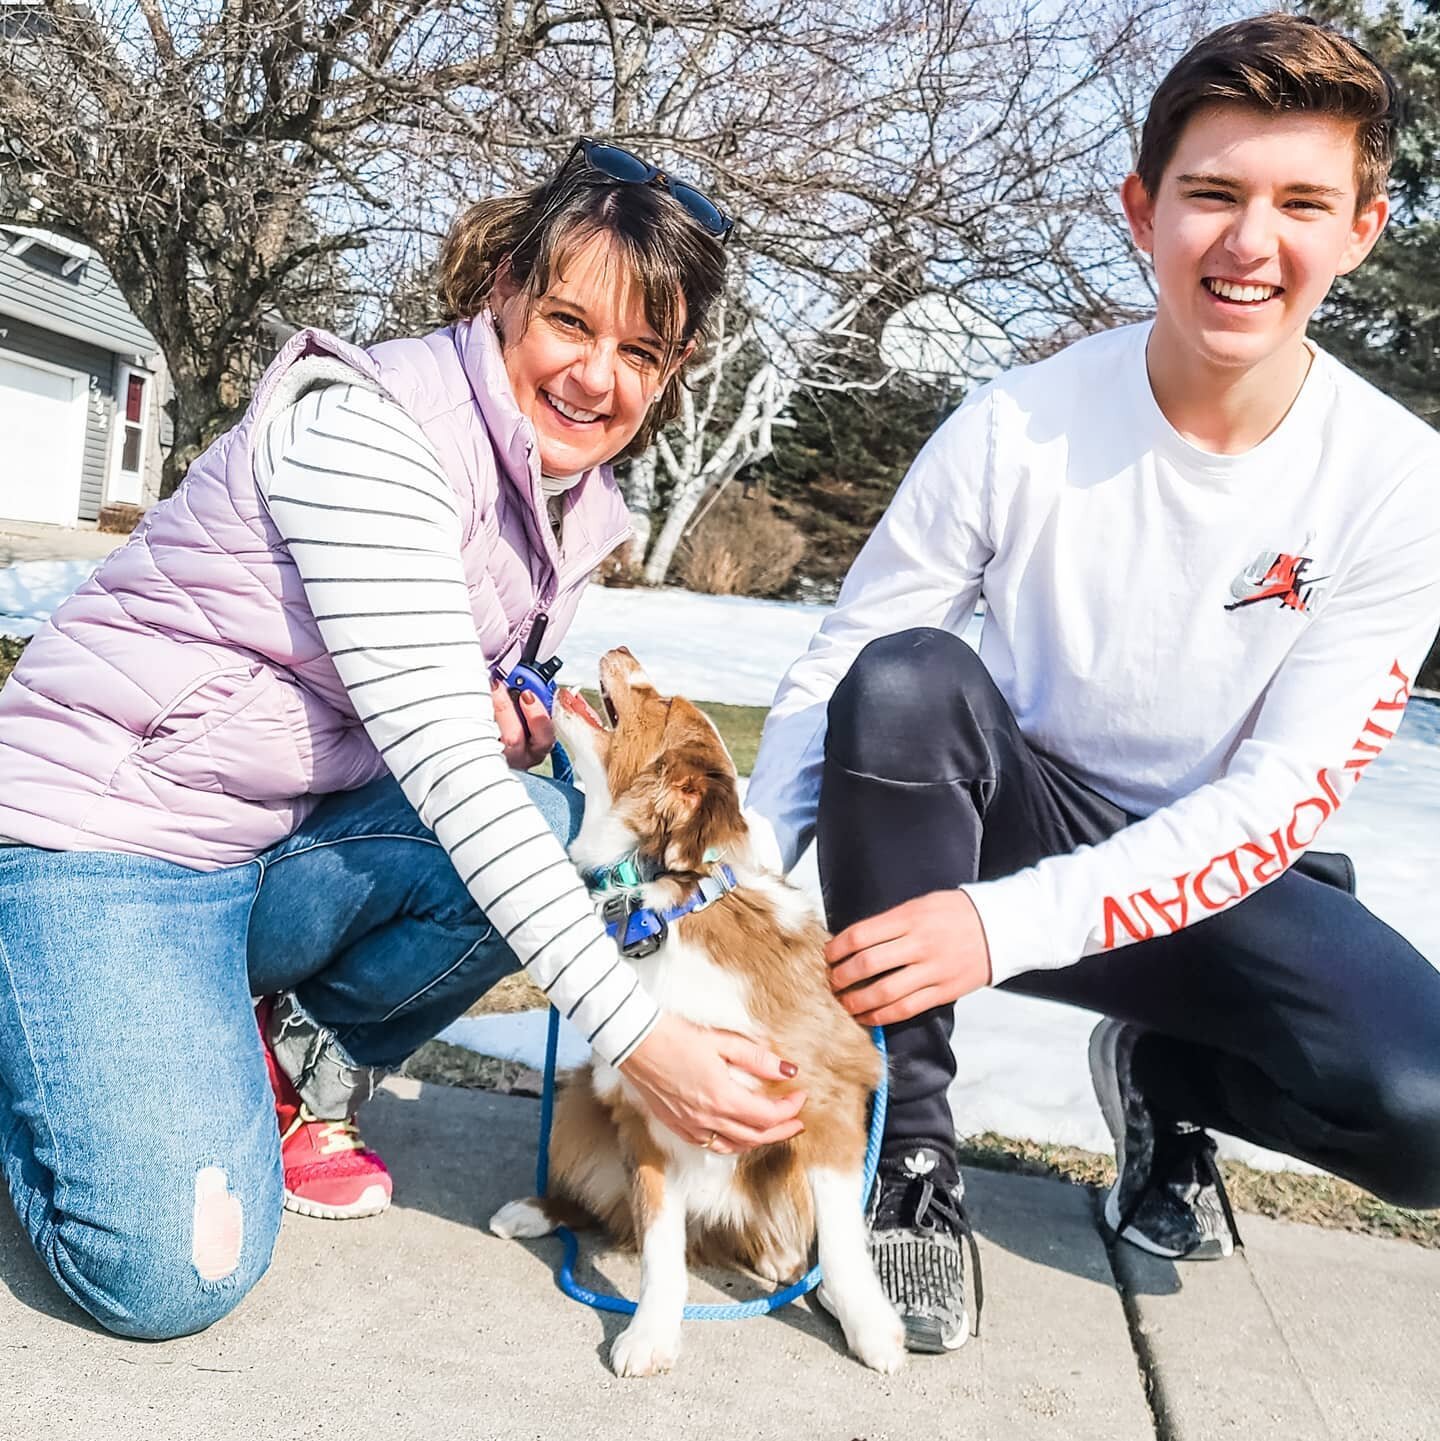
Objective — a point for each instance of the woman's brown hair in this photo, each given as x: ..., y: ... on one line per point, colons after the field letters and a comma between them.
x: 529, y: 237
x: 1280, y: 63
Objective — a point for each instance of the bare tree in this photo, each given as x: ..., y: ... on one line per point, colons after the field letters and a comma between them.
x: 871, y: 155
x: 241, y: 160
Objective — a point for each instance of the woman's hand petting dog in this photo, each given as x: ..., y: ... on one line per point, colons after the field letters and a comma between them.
x: 685, y: 1075
x: 522, y: 751
x: 911, y: 958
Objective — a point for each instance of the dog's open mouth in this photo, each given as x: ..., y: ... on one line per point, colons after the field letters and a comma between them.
x: 576, y: 704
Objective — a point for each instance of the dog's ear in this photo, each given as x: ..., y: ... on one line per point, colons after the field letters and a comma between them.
x: 700, y: 806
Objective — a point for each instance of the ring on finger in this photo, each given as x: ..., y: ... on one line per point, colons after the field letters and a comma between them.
x: 709, y: 1142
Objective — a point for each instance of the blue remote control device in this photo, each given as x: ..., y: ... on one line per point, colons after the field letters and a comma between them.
x: 538, y: 678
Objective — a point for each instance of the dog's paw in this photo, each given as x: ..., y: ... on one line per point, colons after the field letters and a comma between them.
x: 517, y: 1220
x: 644, y: 1349
x: 879, y: 1341
x: 778, y: 1269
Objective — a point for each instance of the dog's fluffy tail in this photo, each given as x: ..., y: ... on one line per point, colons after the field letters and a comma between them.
x: 539, y: 1216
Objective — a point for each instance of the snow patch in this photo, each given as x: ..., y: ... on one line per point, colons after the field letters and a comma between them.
x: 30, y: 590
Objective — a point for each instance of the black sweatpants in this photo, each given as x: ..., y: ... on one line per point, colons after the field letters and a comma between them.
x: 1294, y: 1019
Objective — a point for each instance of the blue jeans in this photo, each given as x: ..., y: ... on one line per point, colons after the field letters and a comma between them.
x: 132, y: 1083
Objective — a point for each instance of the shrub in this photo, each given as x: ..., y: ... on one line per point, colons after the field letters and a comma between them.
x: 119, y: 518
x: 10, y: 648
x: 741, y: 547
x: 621, y: 568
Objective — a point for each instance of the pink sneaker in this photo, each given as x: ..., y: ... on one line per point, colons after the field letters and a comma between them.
x: 330, y: 1173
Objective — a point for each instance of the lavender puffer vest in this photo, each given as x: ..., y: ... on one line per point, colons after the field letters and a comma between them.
x: 181, y: 703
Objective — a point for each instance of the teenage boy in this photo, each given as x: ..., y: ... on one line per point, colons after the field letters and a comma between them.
x: 1210, y: 561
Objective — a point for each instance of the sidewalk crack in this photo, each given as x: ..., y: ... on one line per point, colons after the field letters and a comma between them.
x: 1151, y: 1381
x: 1171, y: 1421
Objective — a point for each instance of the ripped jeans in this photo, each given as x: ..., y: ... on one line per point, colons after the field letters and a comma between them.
x: 133, y: 1095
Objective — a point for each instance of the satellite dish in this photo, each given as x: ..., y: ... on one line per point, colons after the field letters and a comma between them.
x: 939, y: 337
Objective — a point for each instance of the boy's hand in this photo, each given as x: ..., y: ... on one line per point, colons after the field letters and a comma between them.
x: 912, y: 958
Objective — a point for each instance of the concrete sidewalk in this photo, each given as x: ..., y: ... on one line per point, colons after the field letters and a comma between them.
x: 421, y: 1324
x: 20, y: 540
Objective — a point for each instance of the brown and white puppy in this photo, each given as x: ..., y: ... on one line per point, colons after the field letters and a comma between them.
x: 661, y: 784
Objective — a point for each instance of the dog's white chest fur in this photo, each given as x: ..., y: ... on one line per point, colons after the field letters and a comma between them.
x: 684, y: 980
x: 705, y: 1182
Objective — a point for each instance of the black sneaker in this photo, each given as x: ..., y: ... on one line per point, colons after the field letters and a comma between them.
x: 1168, y: 1197
x: 916, y: 1231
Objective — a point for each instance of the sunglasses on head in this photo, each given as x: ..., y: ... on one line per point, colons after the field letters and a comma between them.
x: 620, y: 165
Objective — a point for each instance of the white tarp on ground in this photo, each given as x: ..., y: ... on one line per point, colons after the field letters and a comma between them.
x: 1021, y: 1062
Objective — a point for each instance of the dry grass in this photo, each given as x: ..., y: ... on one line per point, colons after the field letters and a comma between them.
x: 742, y: 547
x: 10, y: 648
x: 514, y: 993
x: 442, y: 1064
x: 1285, y: 1195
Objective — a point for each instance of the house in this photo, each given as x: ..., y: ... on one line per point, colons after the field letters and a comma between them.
x: 82, y: 384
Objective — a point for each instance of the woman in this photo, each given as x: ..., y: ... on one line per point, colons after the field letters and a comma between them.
x: 264, y: 751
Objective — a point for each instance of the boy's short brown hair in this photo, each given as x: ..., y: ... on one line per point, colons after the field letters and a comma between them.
x: 1278, y: 63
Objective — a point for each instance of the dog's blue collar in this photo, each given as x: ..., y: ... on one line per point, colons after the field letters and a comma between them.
x: 641, y: 930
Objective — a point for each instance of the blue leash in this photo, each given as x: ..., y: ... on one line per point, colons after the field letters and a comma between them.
x: 761, y: 1306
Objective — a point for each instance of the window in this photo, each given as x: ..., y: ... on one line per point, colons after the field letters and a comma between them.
x: 131, y: 442
x: 134, y: 423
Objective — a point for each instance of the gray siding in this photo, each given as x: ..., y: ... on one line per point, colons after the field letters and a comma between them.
x: 84, y: 300
x: 26, y: 339
x: 78, y: 320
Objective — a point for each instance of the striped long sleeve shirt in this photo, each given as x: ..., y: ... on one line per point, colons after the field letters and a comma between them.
x: 361, y: 500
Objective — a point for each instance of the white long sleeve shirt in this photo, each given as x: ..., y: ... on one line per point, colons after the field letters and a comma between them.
x: 1219, y: 644
x: 370, y: 520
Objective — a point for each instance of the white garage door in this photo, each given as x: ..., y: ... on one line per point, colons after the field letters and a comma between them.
x: 42, y: 440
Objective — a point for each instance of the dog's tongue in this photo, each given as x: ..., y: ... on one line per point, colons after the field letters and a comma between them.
x: 577, y: 705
